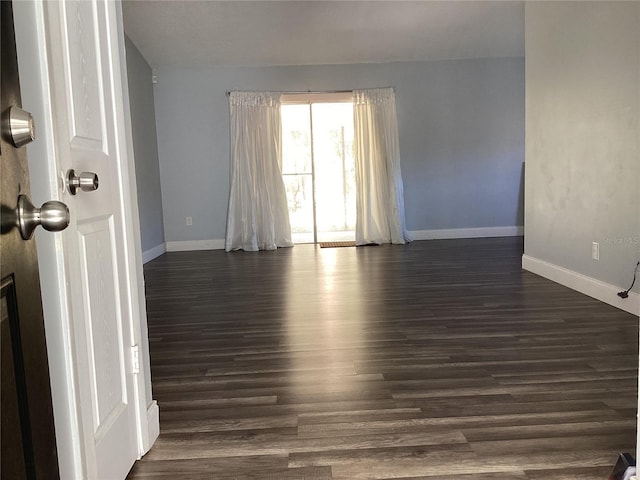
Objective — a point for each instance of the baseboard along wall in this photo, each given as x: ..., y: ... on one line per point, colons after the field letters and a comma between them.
x: 605, y: 292
x: 441, y: 234
x: 189, y: 245
x: 153, y: 424
x: 154, y: 252
x: 480, y: 232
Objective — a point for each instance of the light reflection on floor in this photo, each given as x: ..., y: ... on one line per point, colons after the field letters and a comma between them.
x: 324, y: 320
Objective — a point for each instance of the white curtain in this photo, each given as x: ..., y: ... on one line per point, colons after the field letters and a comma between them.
x: 258, y: 216
x: 379, y: 192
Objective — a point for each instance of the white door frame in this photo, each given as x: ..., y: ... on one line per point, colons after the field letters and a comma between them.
x: 45, y: 180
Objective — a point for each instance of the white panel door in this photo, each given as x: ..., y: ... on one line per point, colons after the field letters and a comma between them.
x: 82, y: 54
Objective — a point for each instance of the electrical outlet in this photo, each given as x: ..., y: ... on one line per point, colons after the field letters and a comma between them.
x: 189, y: 221
x: 595, y: 250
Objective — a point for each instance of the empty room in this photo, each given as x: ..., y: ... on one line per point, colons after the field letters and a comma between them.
x: 331, y: 239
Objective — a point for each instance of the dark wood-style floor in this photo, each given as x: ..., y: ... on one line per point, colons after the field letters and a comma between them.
x: 434, y: 360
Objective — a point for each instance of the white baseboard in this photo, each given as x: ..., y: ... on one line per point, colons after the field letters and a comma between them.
x: 189, y: 245
x: 153, y: 426
x: 154, y: 252
x: 481, y: 232
x: 218, y: 244
x: 602, y: 291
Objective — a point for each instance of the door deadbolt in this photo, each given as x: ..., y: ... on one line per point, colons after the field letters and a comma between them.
x: 86, y: 181
x: 53, y: 216
x: 19, y: 126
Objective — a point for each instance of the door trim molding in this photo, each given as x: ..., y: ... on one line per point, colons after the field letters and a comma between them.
x: 147, y: 433
x: 153, y: 431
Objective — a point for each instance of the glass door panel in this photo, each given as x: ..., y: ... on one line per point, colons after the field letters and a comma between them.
x: 300, y: 200
x: 296, y: 139
x: 334, y: 170
x: 319, y: 171
x: 297, y: 170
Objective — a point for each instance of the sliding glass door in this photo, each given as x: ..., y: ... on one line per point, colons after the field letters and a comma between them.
x: 297, y: 171
x: 318, y: 169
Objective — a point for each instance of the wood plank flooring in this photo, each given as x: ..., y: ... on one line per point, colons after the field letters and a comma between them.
x: 436, y: 360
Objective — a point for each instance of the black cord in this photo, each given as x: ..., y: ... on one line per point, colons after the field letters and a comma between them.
x: 625, y: 294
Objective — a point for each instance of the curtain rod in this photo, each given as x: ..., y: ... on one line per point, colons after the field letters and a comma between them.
x: 303, y: 92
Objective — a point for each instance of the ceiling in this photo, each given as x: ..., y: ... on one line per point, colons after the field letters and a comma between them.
x: 307, y: 32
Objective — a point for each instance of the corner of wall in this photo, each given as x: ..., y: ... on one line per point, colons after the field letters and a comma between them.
x: 154, y: 252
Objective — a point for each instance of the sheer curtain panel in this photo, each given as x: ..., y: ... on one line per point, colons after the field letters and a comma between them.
x: 258, y: 217
x: 379, y: 190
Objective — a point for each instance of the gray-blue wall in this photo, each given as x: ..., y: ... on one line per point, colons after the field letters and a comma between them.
x: 461, y: 127
x: 583, y: 138
x: 145, y: 147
